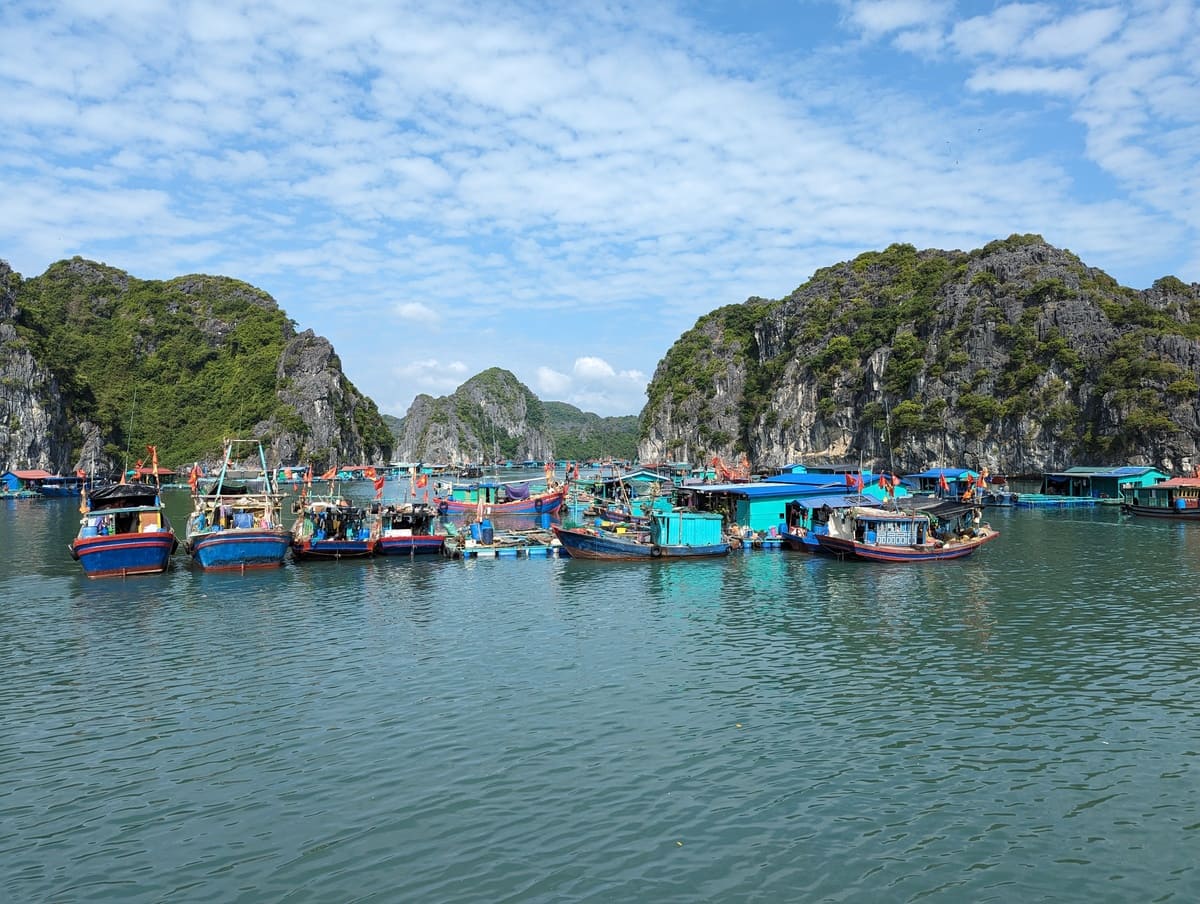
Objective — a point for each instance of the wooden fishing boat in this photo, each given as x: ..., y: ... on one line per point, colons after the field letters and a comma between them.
x: 58, y: 486
x: 235, y: 525
x: 1177, y: 498
x: 808, y: 517
x: 124, y: 531
x: 333, y: 528
x: 948, y: 530
x: 409, y: 529
x: 670, y: 535
x: 485, y: 499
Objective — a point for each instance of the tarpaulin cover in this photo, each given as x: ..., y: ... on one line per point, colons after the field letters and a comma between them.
x: 130, y: 493
x: 517, y: 490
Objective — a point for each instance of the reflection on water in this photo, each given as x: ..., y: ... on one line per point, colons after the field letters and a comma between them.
x: 767, y: 726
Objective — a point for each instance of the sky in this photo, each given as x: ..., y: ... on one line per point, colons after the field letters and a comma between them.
x: 562, y: 189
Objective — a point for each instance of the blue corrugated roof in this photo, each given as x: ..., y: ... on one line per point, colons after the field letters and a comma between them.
x: 843, y: 500
x: 949, y: 473
x: 767, y: 489
x: 814, y: 479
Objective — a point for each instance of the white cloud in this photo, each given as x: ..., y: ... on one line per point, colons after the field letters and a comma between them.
x: 880, y: 17
x: 1030, y: 80
x: 564, y: 192
x: 1001, y: 32
x: 1074, y: 35
x: 551, y: 384
x: 417, y: 312
x: 593, y: 369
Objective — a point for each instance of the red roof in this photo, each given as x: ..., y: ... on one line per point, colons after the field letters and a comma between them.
x: 36, y: 474
x: 149, y: 472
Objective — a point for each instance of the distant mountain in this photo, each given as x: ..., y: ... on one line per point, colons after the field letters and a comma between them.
x: 494, y: 415
x: 96, y: 365
x: 581, y: 435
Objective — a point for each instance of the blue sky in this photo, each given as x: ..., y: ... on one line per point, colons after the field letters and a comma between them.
x: 561, y: 189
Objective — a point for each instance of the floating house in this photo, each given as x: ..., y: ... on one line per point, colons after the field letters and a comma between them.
x: 25, y: 481
x: 1101, y: 483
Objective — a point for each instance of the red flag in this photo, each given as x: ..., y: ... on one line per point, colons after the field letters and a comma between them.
x: 942, y: 482
x: 575, y: 473
x: 883, y: 482
x: 194, y: 477
x: 330, y: 474
x: 369, y: 473
x: 379, y: 486
x: 308, y: 476
x: 849, y: 480
x: 422, y: 480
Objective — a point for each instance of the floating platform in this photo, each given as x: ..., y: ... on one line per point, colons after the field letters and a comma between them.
x: 514, y: 544
x: 1041, y: 500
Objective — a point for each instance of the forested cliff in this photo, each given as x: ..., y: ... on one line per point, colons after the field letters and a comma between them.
x: 1017, y: 356
x: 94, y: 363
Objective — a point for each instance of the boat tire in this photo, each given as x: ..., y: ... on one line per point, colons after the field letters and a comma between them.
x: 656, y: 551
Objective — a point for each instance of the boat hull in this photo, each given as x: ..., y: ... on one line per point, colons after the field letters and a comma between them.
x: 239, y: 548
x: 120, y: 555
x: 418, y: 544
x: 333, y: 549
x: 801, y: 540
x: 869, y: 552
x: 1174, y: 514
x: 586, y: 544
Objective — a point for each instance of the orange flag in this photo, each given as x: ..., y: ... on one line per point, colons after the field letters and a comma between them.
x: 330, y: 474
x: 379, y: 487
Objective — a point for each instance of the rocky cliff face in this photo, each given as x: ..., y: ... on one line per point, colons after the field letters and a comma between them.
x: 199, y: 358
x: 1016, y: 356
x: 33, y: 430
x: 492, y: 415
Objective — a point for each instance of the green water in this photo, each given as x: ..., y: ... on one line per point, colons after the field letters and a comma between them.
x: 1018, y: 726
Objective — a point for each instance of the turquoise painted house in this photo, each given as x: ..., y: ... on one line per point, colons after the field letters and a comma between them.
x: 1099, y: 483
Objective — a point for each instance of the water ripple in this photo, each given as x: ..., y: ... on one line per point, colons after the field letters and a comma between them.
x: 769, y: 727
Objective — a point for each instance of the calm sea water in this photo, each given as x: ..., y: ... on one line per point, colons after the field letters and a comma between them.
x: 1019, y: 726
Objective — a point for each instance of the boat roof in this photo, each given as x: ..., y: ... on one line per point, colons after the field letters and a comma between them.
x: 840, y: 500
x: 949, y: 508
x: 1106, y: 471
x: 134, y: 493
x: 33, y: 474
x: 770, y: 488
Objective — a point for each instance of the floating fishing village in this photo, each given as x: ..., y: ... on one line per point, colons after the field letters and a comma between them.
x: 247, y: 514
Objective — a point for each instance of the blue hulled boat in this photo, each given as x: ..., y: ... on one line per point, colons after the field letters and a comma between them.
x: 332, y: 528
x: 670, y: 535
x: 234, y: 525
x: 409, y: 529
x: 124, y: 531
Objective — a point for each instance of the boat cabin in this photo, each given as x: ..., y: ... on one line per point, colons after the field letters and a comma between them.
x: 929, y: 482
x: 686, y: 528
